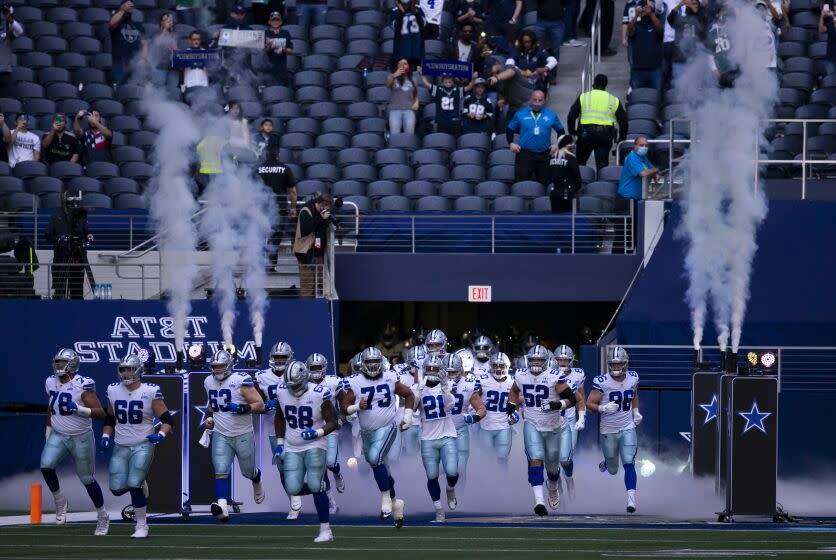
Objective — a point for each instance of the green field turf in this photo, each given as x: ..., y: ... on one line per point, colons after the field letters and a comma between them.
x: 170, y: 542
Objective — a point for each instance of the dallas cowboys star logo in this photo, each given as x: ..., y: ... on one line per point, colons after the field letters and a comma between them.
x: 157, y: 422
x: 754, y: 418
x: 710, y: 410
x: 202, y: 410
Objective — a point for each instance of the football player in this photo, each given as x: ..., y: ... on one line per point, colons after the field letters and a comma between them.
x: 465, y: 390
x: 409, y: 376
x: 129, y: 429
x: 317, y: 365
x: 435, y: 404
x: 545, y: 394
x: 69, y: 431
x: 267, y: 383
x: 305, y: 416
x: 573, y: 419
x: 436, y: 343
x: 372, y: 395
x: 615, y: 397
x: 482, y: 350
x: 494, y: 390
x: 466, y: 356
x: 232, y: 400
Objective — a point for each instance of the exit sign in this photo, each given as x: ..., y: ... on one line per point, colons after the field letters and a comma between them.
x: 479, y: 294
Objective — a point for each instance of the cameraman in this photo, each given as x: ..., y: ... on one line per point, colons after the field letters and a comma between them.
x: 69, y: 232
x: 311, y: 242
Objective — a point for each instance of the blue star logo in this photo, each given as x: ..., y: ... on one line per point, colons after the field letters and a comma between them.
x: 157, y: 422
x: 710, y: 410
x: 754, y: 418
x: 202, y: 410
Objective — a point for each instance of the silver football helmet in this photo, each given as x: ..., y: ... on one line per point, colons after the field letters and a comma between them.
x: 565, y: 356
x: 482, y: 348
x: 415, y: 356
x: 356, y: 363
x: 466, y: 356
x: 65, y: 362
x: 453, y: 366
x: 436, y: 343
x: 130, y: 369
x: 371, y: 362
x: 296, y: 377
x: 537, y: 358
x: 551, y: 363
x: 434, y: 370
x: 617, y: 360
x: 222, y: 364
x: 500, y: 363
x: 316, y: 364
x: 280, y: 355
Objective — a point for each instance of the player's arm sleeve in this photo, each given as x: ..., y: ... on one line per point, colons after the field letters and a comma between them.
x: 567, y: 394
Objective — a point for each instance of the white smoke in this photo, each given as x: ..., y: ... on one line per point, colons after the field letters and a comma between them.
x: 723, y: 207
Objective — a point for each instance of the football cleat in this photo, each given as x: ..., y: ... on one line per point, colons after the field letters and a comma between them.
x: 61, y: 504
x: 602, y: 466
x: 385, y: 505
x: 102, y: 524
x: 258, y: 491
x: 397, y: 512
x: 325, y: 535
x: 220, y: 510
x: 439, y: 516
x: 540, y: 509
x: 339, y: 482
x: 631, y: 501
x: 141, y: 532
x: 452, y: 501
x: 554, y: 494
x: 295, y: 507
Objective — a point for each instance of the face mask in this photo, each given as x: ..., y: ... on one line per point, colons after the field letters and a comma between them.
x: 642, y: 151
x: 536, y: 107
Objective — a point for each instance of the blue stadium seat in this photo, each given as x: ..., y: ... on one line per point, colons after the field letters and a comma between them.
x: 85, y: 184
x: 394, y: 203
x: 96, y: 201
x: 429, y: 156
x: 417, y: 189
x: 119, y: 185
x: 432, y: 204
x: 503, y: 173
x: 455, y: 189
x: 128, y: 201
x: 508, y: 204
x: 324, y: 110
x: 367, y: 140
x: 339, y: 125
x: 472, y: 204
x: 610, y: 173
x: 323, y: 172
x: 491, y: 189
x: 380, y: 188
x: 467, y: 156
x: 358, y: 172
x: 528, y: 189
x: 541, y: 204
x: 313, y: 156
x: 390, y: 156
x: 352, y: 156
x: 470, y: 173
x: 348, y: 187
x: 43, y: 185
x: 27, y: 169
x: 65, y: 170
x: 435, y: 173
x: 309, y: 187
x: 404, y: 141
x: 398, y: 173
x: 21, y: 202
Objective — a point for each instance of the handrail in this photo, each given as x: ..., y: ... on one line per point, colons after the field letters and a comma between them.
x: 593, y: 53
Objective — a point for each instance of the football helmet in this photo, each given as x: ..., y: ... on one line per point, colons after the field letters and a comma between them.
x: 617, y: 360
x: 356, y: 363
x: 482, y: 348
x: 296, y: 377
x: 436, y: 343
x: 565, y: 356
x: 65, y: 362
x: 222, y: 364
x: 453, y: 366
x: 280, y: 355
x: 536, y: 359
x: 500, y: 363
x: 316, y: 364
x: 415, y: 356
x: 434, y: 370
x: 130, y: 369
x: 466, y: 356
x: 371, y: 362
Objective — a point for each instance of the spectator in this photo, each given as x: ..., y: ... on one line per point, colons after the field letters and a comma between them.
x: 311, y: 242
x: 95, y: 140
x: 10, y: 29
x: 194, y: 77
x: 597, y: 112
x: 278, y: 45
x: 645, y: 32
x: 689, y: 31
x: 636, y: 167
x: 237, y: 126
x: 503, y: 18
x: 310, y: 12
x: 58, y: 144
x: 409, y: 32
x: 607, y: 22
x: 265, y: 138
x: 772, y: 19
x: 236, y: 61
x: 127, y: 41
x: 263, y: 9
x: 281, y: 181
x: 827, y: 25
x: 21, y: 144
x: 513, y: 87
x: 464, y: 48
x: 565, y: 175
x: 570, y: 24
x: 535, y: 123
x: 161, y: 48
x: 470, y: 11
x: 534, y: 62
x: 550, y: 24
x: 781, y: 10
x: 718, y: 42
x: 403, y: 103
x: 448, y: 103
x: 477, y: 110
x: 431, y: 9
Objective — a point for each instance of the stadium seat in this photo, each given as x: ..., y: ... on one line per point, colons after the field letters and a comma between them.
x: 323, y: 172
x: 394, y: 203
x: 144, y: 139
x: 348, y: 187
x: 503, y: 156
x: 324, y: 110
x: 96, y: 201
x: 338, y: 125
x: 285, y: 110
x: 432, y: 204
x: 343, y: 78
x: 541, y: 204
x: 309, y: 187
x: 455, y: 189
x: 824, y: 96
x: 302, y: 125
x: 346, y: 94
x: 95, y: 16
x: 23, y: 44
x: 382, y: 187
x: 65, y: 170
x: 96, y: 92
x: 433, y: 172
x: 10, y: 185
x: 85, y: 184
x: 404, y: 141
x: 119, y: 185
x: 644, y: 95
x: 528, y: 189
x: 296, y: 141
x: 51, y: 45
x: 128, y: 201
x: 491, y: 189
x: 475, y: 141
x: 390, y: 156
x: 21, y: 202
x: 503, y: 173
x: 124, y: 154
x: 417, y: 189
x: 440, y: 141
x: 428, y: 156
x: 397, y: 173
x: 351, y: 156
x: 470, y: 173
x: 27, y: 169
x: 101, y: 170
x: 508, y: 204
x: 811, y: 112
x: 309, y: 78
x: 358, y: 172
x: 137, y: 170
x: 589, y: 205
x: 42, y: 185
x: 73, y: 29
x: 798, y: 64
x: 600, y: 188
x: 38, y: 29
x: 8, y: 105
x: 340, y: 18
x: 276, y: 94
x: 642, y: 111
x: 378, y: 78
x: 467, y: 156
x: 610, y: 173
x: 40, y: 107
x: 470, y: 204
x: 362, y: 110
x: 367, y: 140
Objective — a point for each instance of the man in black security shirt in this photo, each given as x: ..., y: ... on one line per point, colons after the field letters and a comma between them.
x: 281, y: 180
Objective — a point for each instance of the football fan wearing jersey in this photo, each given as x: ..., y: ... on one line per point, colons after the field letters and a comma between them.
x: 615, y: 397
x: 267, y: 383
x: 465, y: 391
x: 69, y: 431
x: 372, y: 395
x: 232, y: 400
x: 545, y: 394
x: 305, y: 416
x: 572, y: 419
x: 317, y: 365
x: 129, y: 429
x: 477, y: 109
x: 494, y: 389
x: 448, y: 103
x: 435, y: 404
x: 482, y: 350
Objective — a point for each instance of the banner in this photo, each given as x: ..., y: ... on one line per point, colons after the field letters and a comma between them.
x: 454, y: 68
x: 196, y: 58
x: 241, y: 38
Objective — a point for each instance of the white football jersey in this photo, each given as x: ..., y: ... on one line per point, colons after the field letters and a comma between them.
x: 381, y: 397
x: 537, y: 390
x: 621, y: 392
x: 481, y: 368
x: 495, y: 396
x: 432, y: 10
x: 302, y: 413
x: 220, y: 394
x: 269, y: 382
x: 463, y: 390
x: 134, y: 411
x: 60, y: 395
x: 575, y: 380
x: 435, y: 410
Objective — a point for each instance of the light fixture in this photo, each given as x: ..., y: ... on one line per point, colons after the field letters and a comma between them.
x: 768, y: 359
x: 752, y: 357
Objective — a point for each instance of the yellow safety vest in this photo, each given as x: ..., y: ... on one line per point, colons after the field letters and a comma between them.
x: 598, y: 107
x: 209, y: 151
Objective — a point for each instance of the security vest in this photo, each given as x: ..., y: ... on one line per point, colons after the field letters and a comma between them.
x: 598, y: 108
x: 209, y: 152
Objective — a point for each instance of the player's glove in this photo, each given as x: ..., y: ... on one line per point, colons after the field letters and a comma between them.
x: 581, y: 422
x: 272, y: 404
x: 513, y: 418
x: 156, y: 438
x: 550, y: 406
x: 637, y: 417
x: 82, y: 411
x: 236, y: 408
x: 311, y: 434
x: 278, y: 451
x: 105, y: 443
x: 609, y: 407
x: 471, y: 418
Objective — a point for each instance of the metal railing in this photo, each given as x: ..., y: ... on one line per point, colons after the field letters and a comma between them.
x: 111, y: 231
x: 593, y: 53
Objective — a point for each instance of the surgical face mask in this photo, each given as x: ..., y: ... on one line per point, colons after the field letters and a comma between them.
x: 536, y: 106
x: 641, y: 150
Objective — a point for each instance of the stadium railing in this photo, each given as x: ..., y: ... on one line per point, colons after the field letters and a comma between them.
x: 593, y: 53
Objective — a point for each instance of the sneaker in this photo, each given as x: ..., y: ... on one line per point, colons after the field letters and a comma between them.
x: 325, y: 535
x: 295, y: 507
x: 61, y: 504
x: 452, y: 502
x: 145, y: 491
x: 574, y: 43
x: 631, y: 501
x: 258, y: 491
x: 602, y: 466
x: 554, y: 495
x: 102, y: 524
x: 540, y: 509
x: 339, y: 482
x: 141, y: 532
x: 220, y: 511
x: 397, y: 512
x: 385, y: 505
x: 439, y: 516
x: 332, y: 505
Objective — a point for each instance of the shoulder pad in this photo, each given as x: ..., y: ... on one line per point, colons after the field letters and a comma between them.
x: 282, y: 386
x: 600, y: 379
x: 632, y: 373
x: 577, y: 370
x: 114, y: 384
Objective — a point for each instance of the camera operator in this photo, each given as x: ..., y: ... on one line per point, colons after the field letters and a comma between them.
x: 69, y: 233
x: 312, y: 241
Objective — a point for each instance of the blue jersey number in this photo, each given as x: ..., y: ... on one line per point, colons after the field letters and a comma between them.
x: 534, y: 395
x: 496, y: 401
x: 369, y: 392
x: 623, y: 400
x: 63, y: 400
x: 458, y: 405
x: 272, y: 392
x: 128, y: 412
x: 298, y: 417
x: 433, y: 407
x: 219, y: 399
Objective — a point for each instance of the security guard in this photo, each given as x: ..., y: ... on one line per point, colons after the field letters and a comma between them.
x: 209, y: 153
x: 534, y: 123
x: 597, y: 113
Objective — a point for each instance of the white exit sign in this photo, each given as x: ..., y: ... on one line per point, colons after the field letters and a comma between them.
x: 479, y: 294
